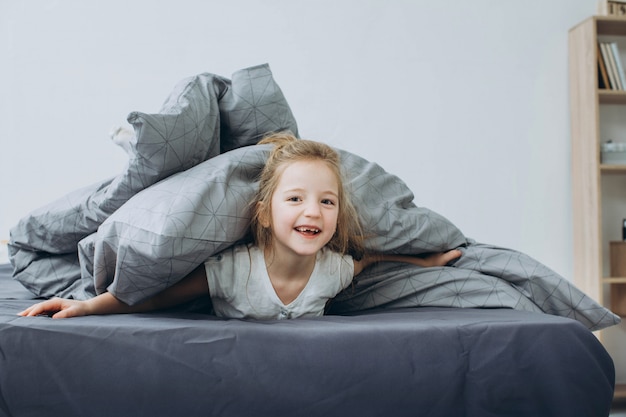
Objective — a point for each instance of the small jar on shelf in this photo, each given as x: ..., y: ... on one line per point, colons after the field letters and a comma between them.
x: 614, y: 153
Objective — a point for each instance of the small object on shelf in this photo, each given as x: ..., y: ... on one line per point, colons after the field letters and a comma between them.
x: 624, y: 230
x: 612, y: 7
x: 613, y: 153
x: 618, y: 270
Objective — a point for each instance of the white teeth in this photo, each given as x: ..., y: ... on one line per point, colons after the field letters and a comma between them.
x: 307, y: 230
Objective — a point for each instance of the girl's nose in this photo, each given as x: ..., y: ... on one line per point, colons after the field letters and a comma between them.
x: 312, y: 209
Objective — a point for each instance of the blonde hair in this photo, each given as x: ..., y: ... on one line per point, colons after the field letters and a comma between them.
x: 348, y: 237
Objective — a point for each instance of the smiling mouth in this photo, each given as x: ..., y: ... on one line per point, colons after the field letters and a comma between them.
x: 308, y: 230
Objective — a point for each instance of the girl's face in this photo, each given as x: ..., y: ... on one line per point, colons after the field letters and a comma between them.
x: 304, y: 209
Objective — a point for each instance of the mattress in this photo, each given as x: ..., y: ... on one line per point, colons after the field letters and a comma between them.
x: 382, y: 362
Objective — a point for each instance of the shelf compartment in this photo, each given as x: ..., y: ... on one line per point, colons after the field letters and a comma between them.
x: 620, y: 391
x: 618, y: 277
x: 613, y: 169
x: 614, y: 280
x: 610, y: 25
x: 611, y: 96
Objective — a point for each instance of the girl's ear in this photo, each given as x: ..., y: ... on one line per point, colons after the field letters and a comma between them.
x: 263, y: 212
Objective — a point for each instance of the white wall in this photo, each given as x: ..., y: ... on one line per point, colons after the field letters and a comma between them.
x: 467, y: 101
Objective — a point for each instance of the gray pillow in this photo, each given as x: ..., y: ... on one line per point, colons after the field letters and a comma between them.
x: 165, y: 231
x: 251, y: 107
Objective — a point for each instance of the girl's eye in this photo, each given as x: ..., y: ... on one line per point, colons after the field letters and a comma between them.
x: 329, y: 202
x: 294, y: 199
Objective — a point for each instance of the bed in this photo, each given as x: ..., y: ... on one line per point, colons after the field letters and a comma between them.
x: 494, y: 333
x: 403, y: 362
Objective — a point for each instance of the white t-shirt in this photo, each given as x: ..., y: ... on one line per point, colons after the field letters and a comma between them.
x: 240, y: 287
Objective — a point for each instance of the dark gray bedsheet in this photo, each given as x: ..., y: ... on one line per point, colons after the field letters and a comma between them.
x: 400, y: 362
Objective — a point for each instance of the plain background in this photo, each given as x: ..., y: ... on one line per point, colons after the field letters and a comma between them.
x: 467, y: 101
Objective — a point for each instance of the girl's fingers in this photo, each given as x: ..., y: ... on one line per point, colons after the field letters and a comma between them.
x: 28, y: 311
x: 66, y: 313
x: 57, y: 308
x: 24, y: 313
x: 442, y: 259
x: 454, y: 254
x: 40, y: 308
x: 451, y: 255
x: 33, y: 311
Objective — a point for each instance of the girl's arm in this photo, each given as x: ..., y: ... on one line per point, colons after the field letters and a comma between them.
x: 435, y: 259
x: 189, y: 288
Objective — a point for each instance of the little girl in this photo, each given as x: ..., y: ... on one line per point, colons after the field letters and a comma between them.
x: 307, y: 248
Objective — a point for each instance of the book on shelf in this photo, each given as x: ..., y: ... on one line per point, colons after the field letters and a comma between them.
x: 613, y: 66
x: 609, y: 62
x: 603, y: 76
x: 618, y: 64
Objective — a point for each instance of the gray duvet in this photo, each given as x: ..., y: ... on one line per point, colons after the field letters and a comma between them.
x: 184, y: 197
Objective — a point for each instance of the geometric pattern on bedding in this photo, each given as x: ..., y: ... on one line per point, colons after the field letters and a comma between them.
x: 485, y: 276
x: 162, y: 231
x: 201, y: 115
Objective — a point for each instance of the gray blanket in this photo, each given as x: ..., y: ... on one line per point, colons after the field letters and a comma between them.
x: 185, y: 194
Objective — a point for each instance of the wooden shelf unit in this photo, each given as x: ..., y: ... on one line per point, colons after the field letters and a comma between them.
x: 586, y: 98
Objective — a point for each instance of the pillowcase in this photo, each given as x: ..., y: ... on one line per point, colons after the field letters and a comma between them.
x: 167, y: 230
x: 251, y: 107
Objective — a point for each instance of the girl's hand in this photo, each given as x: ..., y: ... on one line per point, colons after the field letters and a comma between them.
x: 440, y: 258
x: 435, y: 259
x: 58, y: 308
x: 189, y: 288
